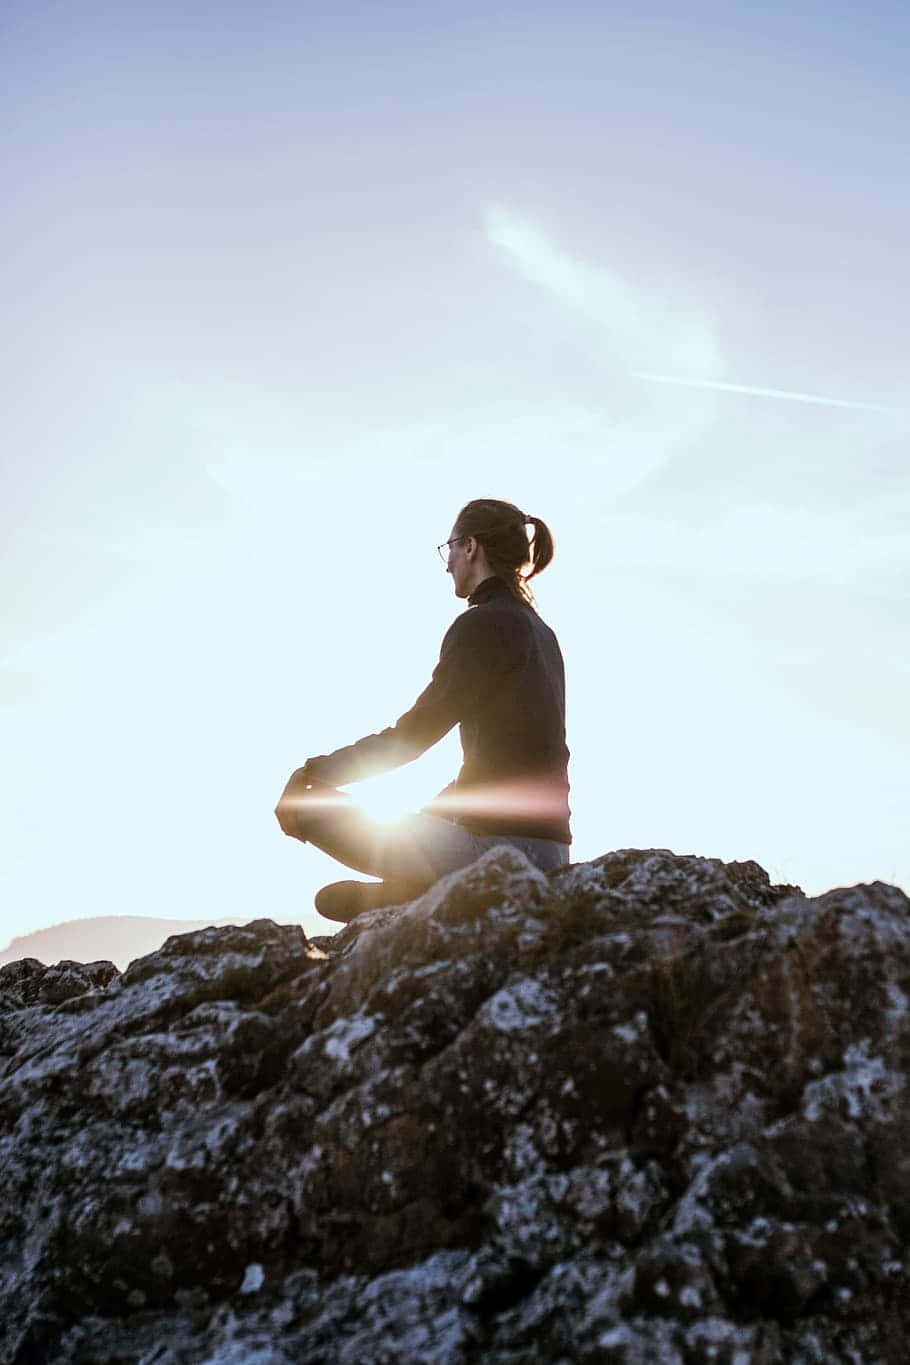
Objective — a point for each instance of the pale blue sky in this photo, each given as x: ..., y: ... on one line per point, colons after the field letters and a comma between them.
x: 283, y: 288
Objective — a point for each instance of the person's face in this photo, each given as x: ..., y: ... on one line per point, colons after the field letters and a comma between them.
x: 459, y: 565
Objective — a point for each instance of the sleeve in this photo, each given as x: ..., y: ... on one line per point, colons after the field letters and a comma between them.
x: 440, y: 706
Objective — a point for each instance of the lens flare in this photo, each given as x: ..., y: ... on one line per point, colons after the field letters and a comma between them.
x: 381, y: 807
x: 539, y: 799
x: 518, y: 798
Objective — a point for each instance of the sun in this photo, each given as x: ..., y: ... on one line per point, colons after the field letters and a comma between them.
x: 381, y: 809
x: 386, y: 799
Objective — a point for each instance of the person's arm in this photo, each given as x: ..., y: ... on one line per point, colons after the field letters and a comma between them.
x: 439, y: 707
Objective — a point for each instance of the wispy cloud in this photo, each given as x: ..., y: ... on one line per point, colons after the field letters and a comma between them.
x: 645, y: 336
x: 690, y: 481
x: 756, y: 391
x: 637, y: 329
x: 632, y: 327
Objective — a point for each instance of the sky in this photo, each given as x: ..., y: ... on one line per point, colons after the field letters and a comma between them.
x: 286, y: 285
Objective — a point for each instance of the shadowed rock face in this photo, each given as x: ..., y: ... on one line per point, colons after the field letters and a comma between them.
x: 645, y: 1109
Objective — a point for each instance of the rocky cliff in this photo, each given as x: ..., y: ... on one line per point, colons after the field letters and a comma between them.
x: 646, y: 1109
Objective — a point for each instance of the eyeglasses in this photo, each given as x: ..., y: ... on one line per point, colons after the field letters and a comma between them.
x: 443, y: 549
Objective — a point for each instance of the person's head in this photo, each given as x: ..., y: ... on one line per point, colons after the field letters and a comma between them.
x: 489, y: 538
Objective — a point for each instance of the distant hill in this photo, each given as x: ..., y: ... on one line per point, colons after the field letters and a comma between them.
x: 114, y: 938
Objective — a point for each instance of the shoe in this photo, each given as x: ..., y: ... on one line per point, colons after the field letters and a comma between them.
x: 344, y: 901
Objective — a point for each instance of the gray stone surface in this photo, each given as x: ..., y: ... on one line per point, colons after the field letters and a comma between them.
x: 648, y: 1108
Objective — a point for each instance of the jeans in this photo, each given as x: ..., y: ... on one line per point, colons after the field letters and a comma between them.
x: 419, y: 847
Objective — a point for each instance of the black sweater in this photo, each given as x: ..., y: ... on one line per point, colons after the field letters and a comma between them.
x: 501, y: 678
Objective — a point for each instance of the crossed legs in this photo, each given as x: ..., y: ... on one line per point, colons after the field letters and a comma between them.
x: 327, y: 818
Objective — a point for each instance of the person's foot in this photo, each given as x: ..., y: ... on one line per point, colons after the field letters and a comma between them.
x: 344, y: 901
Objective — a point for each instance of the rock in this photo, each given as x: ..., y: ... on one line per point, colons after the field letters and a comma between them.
x: 648, y: 1108
x: 29, y: 982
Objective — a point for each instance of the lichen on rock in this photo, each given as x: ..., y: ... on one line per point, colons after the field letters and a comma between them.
x: 645, y: 1108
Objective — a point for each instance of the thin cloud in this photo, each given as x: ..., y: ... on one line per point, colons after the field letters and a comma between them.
x: 637, y: 329
x: 759, y: 392
x: 640, y: 430
x: 670, y: 438
x: 634, y: 324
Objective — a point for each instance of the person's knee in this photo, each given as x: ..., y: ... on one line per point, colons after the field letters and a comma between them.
x: 286, y: 814
x: 306, y: 808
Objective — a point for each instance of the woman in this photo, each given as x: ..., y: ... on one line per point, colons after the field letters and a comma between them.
x: 500, y: 677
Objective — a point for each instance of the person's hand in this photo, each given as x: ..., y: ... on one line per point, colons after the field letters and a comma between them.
x: 317, y: 770
x: 295, y: 792
x: 292, y: 798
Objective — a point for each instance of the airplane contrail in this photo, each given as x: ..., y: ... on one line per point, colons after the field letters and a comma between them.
x: 765, y: 393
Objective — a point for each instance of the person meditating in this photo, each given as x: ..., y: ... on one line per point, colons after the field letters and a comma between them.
x: 501, y: 679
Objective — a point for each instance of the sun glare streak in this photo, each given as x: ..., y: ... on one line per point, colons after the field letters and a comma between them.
x: 380, y: 806
x: 520, y: 797
x: 757, y: 392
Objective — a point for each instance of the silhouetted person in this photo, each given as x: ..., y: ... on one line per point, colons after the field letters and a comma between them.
x: 501, y: 679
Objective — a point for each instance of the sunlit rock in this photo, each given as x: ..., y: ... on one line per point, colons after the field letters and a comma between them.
x: 648, y: 1108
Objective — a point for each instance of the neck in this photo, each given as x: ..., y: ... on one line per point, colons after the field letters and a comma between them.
x: 486, y: 588
x: 476, y: 577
